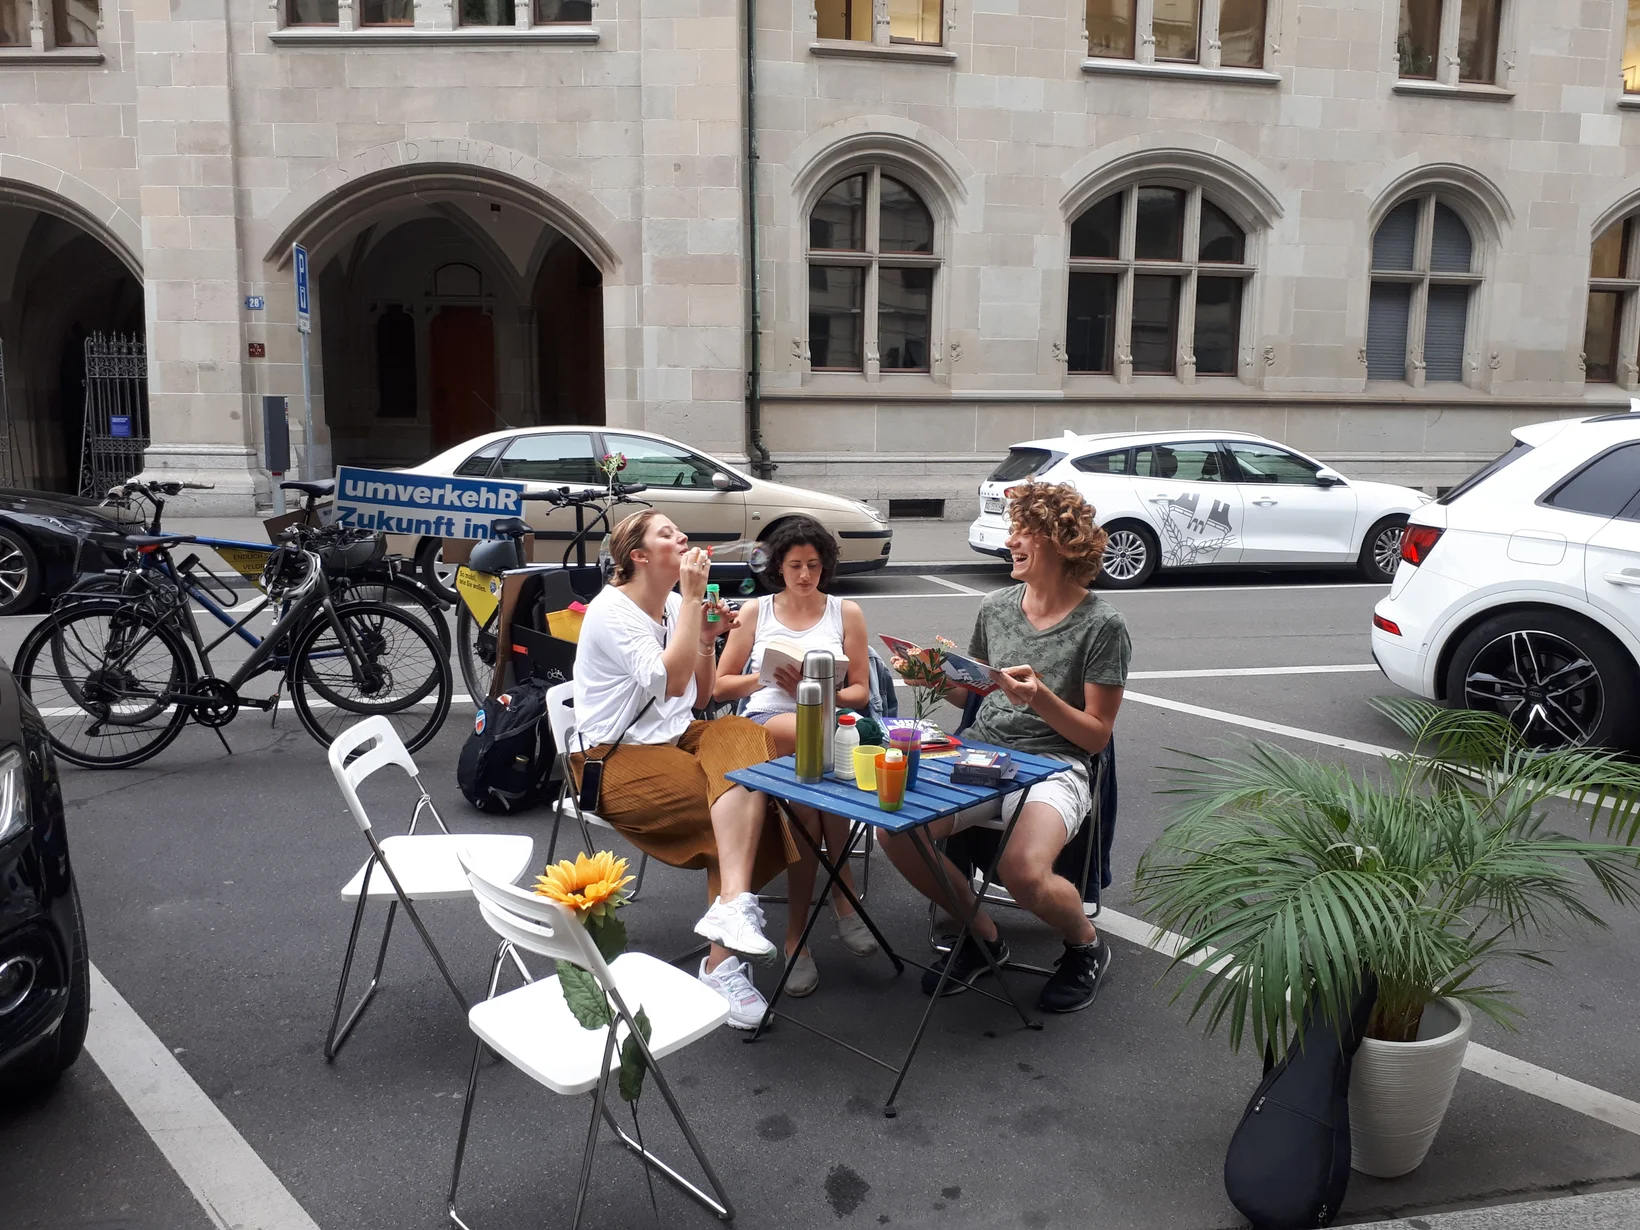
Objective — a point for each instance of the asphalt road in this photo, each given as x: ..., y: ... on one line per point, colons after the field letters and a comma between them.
x: 210, y: 886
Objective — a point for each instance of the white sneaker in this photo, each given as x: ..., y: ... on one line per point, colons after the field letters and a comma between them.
x: 738, y: 926
x: 732, y: 981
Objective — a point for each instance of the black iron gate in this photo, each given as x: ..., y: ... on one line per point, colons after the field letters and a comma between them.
x: 116, y: 412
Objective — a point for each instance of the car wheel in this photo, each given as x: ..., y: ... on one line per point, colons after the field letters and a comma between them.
x: 19, y: 574
x: 434, y: 574
x: 1131, y: 556
x: 1559, y: 679
x: 38, y: 1068
x: 1381, y: 550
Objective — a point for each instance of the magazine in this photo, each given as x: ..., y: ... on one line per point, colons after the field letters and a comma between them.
x: 976, y: 676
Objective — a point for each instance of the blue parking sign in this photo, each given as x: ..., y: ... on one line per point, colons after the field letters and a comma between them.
x: 299, y: 258
x: 120, y: 425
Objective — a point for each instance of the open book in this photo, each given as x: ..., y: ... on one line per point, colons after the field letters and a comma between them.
x: 973, y: 675
x: 781, y: 652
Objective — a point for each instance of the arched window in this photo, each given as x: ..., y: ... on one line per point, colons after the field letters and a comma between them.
x: 1609, y: 330
x: 1424, y: 271
x: 872, y: 267
x: 1152, y: 267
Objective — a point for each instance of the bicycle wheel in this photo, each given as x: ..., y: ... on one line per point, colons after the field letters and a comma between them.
x: 102, y: 677
x: 475, y: 650
x: 417, y: 600
x: 391, y: 665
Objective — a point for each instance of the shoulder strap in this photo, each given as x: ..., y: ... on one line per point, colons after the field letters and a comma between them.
x: 616, y: 746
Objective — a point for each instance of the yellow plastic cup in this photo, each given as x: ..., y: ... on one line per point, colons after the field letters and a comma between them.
x: 865, y: 765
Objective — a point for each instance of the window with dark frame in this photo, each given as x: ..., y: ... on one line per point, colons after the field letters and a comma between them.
x: 871, y: 276
x: 311, y: 13
x: 1631, y: 48
x: 909, y: 21
x: 1150, y: 265
x: 1424, y: 274
x: 1609, y: 345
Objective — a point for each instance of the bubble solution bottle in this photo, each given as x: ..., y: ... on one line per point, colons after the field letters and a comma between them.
x: 843, y: 745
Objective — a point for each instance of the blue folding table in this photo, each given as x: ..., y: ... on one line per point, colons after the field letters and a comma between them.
x: 935, y: 797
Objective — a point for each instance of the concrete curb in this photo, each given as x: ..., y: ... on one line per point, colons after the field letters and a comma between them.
x: 1618, y: 1210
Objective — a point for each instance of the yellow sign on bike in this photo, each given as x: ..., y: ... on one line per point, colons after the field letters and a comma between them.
x: 246, y: 561
x: 480, y: 591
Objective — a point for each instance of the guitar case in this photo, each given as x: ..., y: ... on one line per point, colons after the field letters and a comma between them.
x: 1288, y: 1164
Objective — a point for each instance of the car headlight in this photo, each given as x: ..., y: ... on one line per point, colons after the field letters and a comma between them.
x: 876, y: 514
x: 13, y: 794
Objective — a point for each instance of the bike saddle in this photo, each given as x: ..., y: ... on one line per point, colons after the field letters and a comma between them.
x: 509, y: 527
x: 317, y: 487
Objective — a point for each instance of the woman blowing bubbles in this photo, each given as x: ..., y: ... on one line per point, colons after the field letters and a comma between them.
x: 644, y: 661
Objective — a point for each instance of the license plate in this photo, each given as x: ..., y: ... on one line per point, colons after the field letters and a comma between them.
x: 993, y: 504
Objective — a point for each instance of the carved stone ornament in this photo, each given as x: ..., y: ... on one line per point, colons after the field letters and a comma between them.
x: 1630, y: 371
x: 1361, y: 356
x: 1494, y: 361
x: 1269, y: 356
x: 955, y: 351
x: 800, y: 348
x: 1059, y: 354
x: 1582, y: 362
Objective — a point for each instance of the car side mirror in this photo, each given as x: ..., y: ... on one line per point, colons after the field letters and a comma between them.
x: 1327, y: 479
x: 722, y: 481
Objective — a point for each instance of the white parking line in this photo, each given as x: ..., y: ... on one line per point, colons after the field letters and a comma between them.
x: 952, y: 585
x: 232, y: 1184
x: 1551, y: 1086
x: 1269, y: 728
x: 1248, y: 589
x: 1253, y: 671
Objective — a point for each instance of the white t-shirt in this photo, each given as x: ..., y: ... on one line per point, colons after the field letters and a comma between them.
x: 618, y: 667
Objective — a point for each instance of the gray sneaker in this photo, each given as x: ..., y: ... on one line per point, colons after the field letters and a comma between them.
x: 856, y: 936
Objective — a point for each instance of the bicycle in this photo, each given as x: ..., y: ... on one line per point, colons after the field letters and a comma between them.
x: 359, y: 571
x: 116, y: 674
x: 478, y: 582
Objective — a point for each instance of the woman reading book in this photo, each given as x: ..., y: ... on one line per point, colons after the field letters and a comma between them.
x: 762, y: 664
x: 1058, y: 654
x: 644, y: 657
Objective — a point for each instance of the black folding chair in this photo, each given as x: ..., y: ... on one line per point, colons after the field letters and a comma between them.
x: 1084, y: 861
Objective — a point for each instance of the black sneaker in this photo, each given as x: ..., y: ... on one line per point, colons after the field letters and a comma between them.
x: 969, y: 964
x: 1075, y: 981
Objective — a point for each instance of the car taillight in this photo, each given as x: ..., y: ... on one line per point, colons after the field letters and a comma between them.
x: 1386, y: 625
x: 1417, y: 541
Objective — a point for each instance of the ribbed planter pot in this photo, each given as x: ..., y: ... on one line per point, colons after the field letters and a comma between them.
x: 1399, y: 1091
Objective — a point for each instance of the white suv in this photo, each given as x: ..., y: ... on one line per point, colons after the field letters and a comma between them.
x: 1519, y: 591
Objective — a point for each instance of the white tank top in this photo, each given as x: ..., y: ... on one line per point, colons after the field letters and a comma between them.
x: 827, y: 634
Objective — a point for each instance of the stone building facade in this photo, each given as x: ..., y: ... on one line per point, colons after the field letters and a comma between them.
x: 1364, y: 227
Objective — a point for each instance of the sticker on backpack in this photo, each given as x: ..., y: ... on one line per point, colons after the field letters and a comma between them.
x: 478, y: 723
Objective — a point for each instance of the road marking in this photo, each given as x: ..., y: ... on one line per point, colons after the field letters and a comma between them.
x: 952, y: 585
x: 938, y: 594
x: 1244, y: 589
x: 232, y: 1184
x: 1528, y: 1078
x: 1270, y: 728
x: 1253, y: 671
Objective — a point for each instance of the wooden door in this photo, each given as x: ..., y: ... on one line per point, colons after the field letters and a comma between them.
x: 461, y: 344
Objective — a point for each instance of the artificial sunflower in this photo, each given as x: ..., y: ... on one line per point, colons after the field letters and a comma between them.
x: 592, y: 887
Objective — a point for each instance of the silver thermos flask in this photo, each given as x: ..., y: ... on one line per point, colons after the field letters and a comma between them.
x: 819, y: 665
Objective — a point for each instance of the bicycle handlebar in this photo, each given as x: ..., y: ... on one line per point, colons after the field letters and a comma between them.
x: 156, y: 487
x: 563, y: 497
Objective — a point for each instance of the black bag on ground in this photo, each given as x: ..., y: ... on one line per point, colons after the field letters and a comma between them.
x: 508, y: 758
x: 1289, y: 1161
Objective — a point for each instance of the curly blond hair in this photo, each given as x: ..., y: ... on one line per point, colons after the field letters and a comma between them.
x: 1057, y: 512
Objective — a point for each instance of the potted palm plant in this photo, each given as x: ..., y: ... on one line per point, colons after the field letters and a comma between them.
x: 1292, y: 879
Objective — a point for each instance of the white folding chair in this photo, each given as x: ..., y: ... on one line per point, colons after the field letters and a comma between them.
x: 533, y: 1029
x: 566, y: 738
x: 415, y: 866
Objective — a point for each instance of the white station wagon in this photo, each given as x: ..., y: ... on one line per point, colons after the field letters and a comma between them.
x: 1187, y: 499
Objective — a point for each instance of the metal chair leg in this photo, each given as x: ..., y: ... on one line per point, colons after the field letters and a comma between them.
x: 592, y: 1128
x: 467, y: 1119
x: 335, y: 1038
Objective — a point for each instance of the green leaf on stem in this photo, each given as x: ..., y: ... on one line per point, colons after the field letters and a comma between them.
x: 584, y: 996
x: 632, y: 1060
x: 609, y: 933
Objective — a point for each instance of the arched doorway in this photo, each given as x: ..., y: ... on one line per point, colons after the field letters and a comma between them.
x: 446, y: 314
x: 59, y: 284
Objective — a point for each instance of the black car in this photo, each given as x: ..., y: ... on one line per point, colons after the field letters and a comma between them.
x: 45, y: 974
x: 45, y: 540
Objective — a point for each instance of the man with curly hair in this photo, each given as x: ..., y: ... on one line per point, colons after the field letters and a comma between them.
x: 1060, y: 653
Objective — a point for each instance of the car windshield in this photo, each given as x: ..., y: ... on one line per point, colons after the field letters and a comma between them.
x: 1022, y: 463
x: 1520, y: 450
